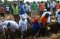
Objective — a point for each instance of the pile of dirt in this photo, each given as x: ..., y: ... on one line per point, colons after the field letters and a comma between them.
x: 55, y: 36
x: 9, y: 17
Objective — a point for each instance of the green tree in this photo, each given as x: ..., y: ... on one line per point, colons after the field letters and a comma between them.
x: 0, y: 1
x: 21, y: 0
x: 5, y: 2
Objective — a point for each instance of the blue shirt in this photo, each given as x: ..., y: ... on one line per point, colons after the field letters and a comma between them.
x: 36, y: 25
x: 21, y: 9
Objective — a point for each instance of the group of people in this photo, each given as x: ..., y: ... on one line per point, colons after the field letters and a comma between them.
x: 23, y: 16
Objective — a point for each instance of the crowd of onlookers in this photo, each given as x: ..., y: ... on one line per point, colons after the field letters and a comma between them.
x: 23, y: 13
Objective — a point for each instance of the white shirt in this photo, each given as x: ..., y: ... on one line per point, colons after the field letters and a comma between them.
x: 48, y: 5
x: 13, y: 25
x: 28, y: 8
x: 38, y: 6
x: 7, y: 8
x: 57, y: 12
x: 58, y: 17
x: 54, y: 4
x: 48, y: 17
x: 23, y: 25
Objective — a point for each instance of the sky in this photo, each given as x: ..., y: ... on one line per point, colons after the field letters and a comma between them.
x: 29, y: 0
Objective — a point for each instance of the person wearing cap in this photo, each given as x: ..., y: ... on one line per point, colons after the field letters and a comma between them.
x: 10, y: 27
x: 23, y: 26
x: 43, y: 22
x: 21, y: 9
x: 35, y: 26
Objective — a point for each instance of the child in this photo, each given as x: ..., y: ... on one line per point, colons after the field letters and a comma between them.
x: 43, y: 21
x: 35, y: 26
x: 23, y: 26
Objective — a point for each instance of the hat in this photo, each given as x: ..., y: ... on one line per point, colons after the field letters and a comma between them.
x: 35, y: 19
x: 24, y: 16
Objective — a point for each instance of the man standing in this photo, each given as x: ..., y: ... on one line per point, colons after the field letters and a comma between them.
x: 23, y: 26
x: 53, y: 6
x: 28, y: 8
x: 21, y: 9
x: 1, y: 10
x: 57, y: 5
x: 41, y: 5
x: 48, y: 6
x: 15, y: 12
x: 33, y: 8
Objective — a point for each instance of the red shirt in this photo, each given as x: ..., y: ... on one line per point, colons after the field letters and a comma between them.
x: 57, y: 6
x: 43, y: 21
x: 41, y: 5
